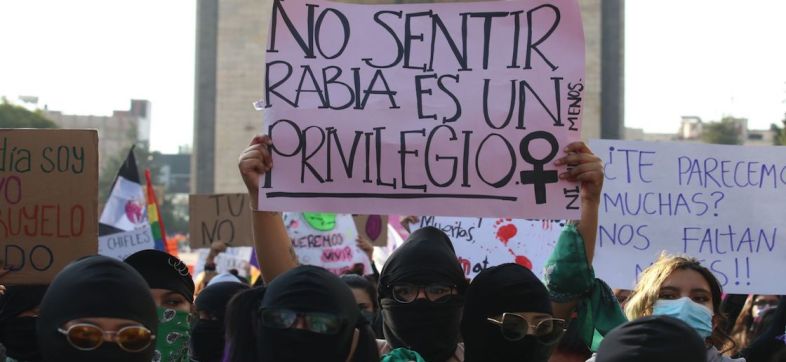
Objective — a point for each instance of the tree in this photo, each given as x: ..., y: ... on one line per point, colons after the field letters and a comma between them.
x: 725, y: 132
x: 779, y: 137
x: 12, y: 116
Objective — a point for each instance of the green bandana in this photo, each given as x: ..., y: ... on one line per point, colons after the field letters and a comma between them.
x: 402, y: 355
x: 172, y: 336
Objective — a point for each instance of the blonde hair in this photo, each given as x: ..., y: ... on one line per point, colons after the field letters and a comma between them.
x: 647, y: 289
x: 647, y: 292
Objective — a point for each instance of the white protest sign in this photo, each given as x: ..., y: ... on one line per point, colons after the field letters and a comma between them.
x: 481, y: 243
x: 327, y: 240
x: 121, y: 245
x: 723, y: 205
x: 233, y: 258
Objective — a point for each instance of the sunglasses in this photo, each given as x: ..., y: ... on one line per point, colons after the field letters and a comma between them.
x: 516, y: 326
x: 322, y: 323
x: 87, y: 337
x: 407, y: 293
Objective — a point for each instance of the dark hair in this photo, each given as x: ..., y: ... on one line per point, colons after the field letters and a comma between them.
x: 241, y: 330
x: 358, y: 282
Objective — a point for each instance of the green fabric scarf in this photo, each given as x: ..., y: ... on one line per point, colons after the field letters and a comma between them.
x: 172, y: 336
x: 570, y: 278
x: 402, y: 355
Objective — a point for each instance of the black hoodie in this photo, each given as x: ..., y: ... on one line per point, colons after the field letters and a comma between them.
x: 431, y: 329
x: 94, y: 287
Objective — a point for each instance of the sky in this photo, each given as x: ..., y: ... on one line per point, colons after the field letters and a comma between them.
x: 706, y: 58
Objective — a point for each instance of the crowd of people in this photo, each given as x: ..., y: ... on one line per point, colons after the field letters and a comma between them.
x: 419, y: 307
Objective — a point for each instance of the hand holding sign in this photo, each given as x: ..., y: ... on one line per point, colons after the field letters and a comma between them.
x: 583, y: 167
x: 254, y: 162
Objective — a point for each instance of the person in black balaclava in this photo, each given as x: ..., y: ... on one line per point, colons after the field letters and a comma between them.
x: 168, y: 278
x: 366, y: 297
x: 652, y: 339
x: 207, y: 332
x: 421, y: 291
x: 173, y: 291
x: 305, y: 314
x: 18, y: 316
x: 507, y: 317
x: 92, y: 294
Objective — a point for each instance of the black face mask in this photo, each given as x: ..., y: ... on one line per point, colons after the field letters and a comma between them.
x: 296, y: 345
x: 19, y: 338
x: 431, y: 329
x: 207, y: 340
x: 528, y: 349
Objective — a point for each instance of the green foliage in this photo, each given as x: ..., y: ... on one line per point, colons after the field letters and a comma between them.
x: 779, y: 138
x: 12, y: 116
x: 175, y: 219
x: 725, y: 132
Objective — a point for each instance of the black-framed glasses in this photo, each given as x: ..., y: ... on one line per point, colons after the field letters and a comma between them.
x: 322, y: 323
x: 516, y: 326
x: 87, y: 337
x: 407, y: 293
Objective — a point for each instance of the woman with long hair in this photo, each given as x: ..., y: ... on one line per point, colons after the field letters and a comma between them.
x: 752, y: 321
x: 682, y: 288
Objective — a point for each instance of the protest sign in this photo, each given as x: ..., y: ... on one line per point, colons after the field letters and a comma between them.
x: 237, y: 258
x: 481, y: 243
x: 121, y: 245
x: 327, y: 240
x: 48, y: 201
x: 720, y: 204
x: 220, y: 217
x: 455, y: 109
x: 373, y: 228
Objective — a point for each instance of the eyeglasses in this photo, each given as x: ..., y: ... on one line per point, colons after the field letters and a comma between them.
x: 87, y: 337
x: 407, y: 293
x: 322, y: 323
x: 516, y: 326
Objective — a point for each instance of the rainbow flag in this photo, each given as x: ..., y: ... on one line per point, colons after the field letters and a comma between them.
x: 156, y: 224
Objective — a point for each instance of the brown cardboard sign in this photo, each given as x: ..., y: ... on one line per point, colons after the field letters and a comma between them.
x: 48, y: 201
x: 373, y: 227
x: 220, y: 217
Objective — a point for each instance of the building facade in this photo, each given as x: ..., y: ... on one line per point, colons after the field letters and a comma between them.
x: 692, y: 129
x: 116, y: 133
x: 230, y: 67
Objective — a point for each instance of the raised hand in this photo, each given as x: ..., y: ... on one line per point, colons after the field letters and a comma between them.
x: 254, y: 162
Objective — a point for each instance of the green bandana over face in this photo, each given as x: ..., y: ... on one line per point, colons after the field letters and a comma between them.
x: 172, y: 336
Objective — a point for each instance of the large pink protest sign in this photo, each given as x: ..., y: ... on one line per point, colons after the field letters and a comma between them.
x: 455, y: 109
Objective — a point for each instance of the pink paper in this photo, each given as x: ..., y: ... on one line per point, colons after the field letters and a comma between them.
x: 357, y: 130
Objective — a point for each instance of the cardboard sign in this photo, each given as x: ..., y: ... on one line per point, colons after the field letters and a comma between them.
x: 48, y: 201
x: 482, y: 243
x: 327, y: 240
x: 121, y: 245
x: 723, y: 205
x: 233, y: 258
x: 220, y: 217
x: 455, y: 109
x: 373, y: 227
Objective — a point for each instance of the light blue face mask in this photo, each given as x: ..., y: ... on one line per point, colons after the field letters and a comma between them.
x: 695, y: 315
